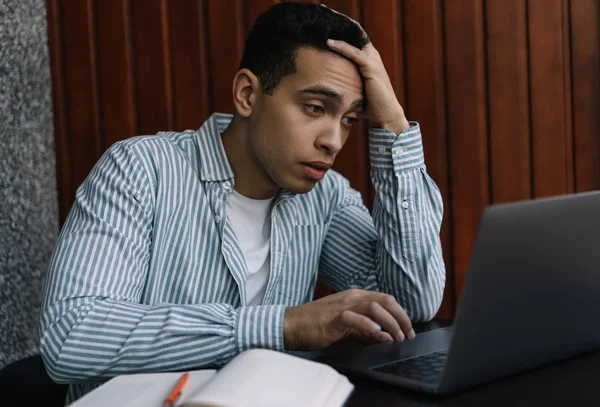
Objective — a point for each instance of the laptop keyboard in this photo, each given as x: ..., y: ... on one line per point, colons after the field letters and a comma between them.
x: 425, y: 368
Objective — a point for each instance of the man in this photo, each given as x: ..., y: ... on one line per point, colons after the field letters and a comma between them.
x: 184, y: 249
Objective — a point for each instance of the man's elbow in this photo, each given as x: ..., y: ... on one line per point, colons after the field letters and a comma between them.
x: 430, y: 313
x: 426, y: 304
x: 423, y: 316
x: 431, y: 295
x: 57, y: 366
x: 53, y: 367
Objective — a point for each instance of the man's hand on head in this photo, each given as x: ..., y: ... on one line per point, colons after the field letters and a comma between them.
x: 352, y: 314
x: 383, y: 108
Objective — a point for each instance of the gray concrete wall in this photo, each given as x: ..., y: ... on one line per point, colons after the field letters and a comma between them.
x: 28, y: 198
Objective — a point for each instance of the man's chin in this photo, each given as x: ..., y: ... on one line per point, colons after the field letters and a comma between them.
x: 300, y: 187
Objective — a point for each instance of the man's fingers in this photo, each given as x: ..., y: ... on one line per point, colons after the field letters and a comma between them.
x: 367, y: 59
x: 359, y: 322
x: 380, y: 315
x: 390, y: 307
x: 370, y: 338
x: 363, y: 328
x: 349, y: 51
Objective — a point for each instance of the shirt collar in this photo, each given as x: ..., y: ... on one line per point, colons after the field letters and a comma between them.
x: 214, y: 165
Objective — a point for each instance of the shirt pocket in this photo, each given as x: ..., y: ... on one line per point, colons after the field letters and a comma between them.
x: 301, y: 267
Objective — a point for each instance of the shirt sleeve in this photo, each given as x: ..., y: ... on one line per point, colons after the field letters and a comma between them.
x: 397, y: 250
x: 94, y: 323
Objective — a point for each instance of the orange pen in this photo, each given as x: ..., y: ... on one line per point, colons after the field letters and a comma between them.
x: 176, y: 392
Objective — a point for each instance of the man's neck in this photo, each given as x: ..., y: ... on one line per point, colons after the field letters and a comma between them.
x: 251, y: 180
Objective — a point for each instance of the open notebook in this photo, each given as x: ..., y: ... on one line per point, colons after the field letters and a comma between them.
x: 257, y: 377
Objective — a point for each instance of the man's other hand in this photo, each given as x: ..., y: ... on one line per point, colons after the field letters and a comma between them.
x: 355, y: 314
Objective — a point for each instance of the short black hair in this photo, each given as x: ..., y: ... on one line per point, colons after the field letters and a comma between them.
x: 272, y: 45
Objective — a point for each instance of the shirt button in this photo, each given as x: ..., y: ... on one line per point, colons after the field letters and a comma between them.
x: 405, y: 205
x: 398, y: 151
x: 226, y: 185
x: 381, y: 149
x: 217, y: 218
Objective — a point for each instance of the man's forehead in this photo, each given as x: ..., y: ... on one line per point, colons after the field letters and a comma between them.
x: 317, y: 68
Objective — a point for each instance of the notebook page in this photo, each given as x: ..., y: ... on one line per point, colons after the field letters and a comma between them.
x: 264, y: 378
x: 146, y: 389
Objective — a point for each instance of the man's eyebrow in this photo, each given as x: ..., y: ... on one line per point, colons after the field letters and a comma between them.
x: 332, y: 94
x: 324, y: 91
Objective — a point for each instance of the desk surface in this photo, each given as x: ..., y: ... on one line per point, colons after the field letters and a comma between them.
x: 572, y: 382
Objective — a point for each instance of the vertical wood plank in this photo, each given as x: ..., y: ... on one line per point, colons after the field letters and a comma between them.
x: 63, y: 156
x: 549, y: 98
x: 151, y: 68
x: 425, y: 103
x: 81, y: 96
x: 383, y: 24
x: 191, y: 86
x: 568, y: 101
x: 116, y: 70
x: 227, y: 32
x: 508, y: 100
x: 585, y: 47
x: 467, y: 125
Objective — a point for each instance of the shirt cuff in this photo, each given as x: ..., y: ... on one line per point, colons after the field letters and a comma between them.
x: 396, y: 152
x: 260, y: 326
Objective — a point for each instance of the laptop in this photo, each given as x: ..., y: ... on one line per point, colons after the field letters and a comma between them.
x: 531, y: 297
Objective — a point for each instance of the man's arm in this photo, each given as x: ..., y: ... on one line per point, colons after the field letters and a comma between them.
x: 408, y: 207
x: 401, y: 253
x: 93, y: 324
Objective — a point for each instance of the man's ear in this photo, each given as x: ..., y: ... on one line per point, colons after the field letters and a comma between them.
x: 246, y: 89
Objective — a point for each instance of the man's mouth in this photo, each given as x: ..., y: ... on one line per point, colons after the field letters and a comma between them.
x: 316, y: 169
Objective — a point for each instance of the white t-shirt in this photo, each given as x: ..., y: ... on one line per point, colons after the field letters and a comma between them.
x: 251, y: 222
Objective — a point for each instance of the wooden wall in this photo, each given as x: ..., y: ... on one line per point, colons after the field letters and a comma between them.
x: 506, y: 91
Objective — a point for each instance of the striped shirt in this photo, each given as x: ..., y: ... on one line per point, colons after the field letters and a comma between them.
x: 147, y: 274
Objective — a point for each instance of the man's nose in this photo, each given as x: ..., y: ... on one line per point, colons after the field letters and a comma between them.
x: 331, y: 140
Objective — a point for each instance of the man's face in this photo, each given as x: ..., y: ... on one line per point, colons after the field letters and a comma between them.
x: 297, y: 132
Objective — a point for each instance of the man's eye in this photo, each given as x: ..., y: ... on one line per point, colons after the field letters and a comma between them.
x: 315, y: 109
x: 349, y: 121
